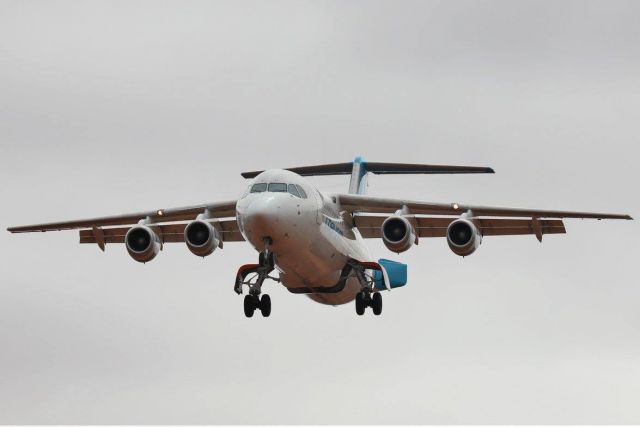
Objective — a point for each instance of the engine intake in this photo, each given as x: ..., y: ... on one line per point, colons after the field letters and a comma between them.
x: 398, y: 234
x: 142, y: 243
x: 201, y: 238
x: 463, y: 237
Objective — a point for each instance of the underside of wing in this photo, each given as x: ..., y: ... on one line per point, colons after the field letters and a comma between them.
x: 168, y: 233
x: 371, y: 226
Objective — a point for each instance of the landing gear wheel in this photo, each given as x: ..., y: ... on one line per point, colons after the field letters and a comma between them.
x: 360, y: 304
x: 265, y: 305
x: 249, y: 305
x: 376, y: 303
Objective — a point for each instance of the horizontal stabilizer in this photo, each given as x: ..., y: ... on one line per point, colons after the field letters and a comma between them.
x: 379, y: 168
x: 332, y: 169
x: 408, y: 168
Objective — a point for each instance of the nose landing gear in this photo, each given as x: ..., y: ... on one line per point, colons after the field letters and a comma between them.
x: 254, y: 275
x: 255, y: 302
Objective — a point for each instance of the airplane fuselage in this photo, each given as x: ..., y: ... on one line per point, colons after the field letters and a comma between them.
x: 309, y: 239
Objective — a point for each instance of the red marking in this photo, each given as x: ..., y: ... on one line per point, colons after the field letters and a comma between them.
x: 245, y: 269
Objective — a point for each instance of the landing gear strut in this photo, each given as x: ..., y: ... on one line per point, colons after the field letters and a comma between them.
x: 254, y: 275
x: 368, y: 295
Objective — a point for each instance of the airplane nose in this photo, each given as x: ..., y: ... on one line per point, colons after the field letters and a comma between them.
x: 262, y: 217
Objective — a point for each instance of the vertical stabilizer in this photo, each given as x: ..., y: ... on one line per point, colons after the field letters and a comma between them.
x: 358, y: 183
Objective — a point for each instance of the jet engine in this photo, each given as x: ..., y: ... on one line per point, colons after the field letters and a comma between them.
x: 398, y: 234
x: 463, y: 237
x: 201, y: 238
x: 142, y: 243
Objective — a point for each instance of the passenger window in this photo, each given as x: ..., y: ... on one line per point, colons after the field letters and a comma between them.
x: 301, y: 191
x: 276, y: 187
x: 259, y: 188
x: 293, y: 190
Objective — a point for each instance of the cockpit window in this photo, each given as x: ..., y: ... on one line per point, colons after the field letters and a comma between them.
x: 293, y: 190
x: 276, y: 187
x: 259, y: 188
x: 301, y: 191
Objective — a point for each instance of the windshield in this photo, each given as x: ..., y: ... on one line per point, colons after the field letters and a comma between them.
x: 278, y: 187
x: 259, y: 188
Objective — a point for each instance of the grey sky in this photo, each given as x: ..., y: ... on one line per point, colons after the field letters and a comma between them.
x: 110, y: 107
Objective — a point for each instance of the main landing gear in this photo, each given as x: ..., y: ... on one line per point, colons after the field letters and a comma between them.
x: 368, y: 296
x: 254, y: 275
x: 366, y: 299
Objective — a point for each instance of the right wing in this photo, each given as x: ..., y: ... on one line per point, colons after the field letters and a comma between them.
x: 168, y: 233
x: 165, y: 222
x: 159, y: 216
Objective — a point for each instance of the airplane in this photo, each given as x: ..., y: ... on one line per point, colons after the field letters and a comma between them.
x: 315, y: 240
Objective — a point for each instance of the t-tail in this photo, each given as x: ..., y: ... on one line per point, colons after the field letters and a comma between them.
x: 358, y: 170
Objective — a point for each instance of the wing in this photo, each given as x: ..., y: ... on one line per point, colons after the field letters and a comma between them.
x: 165, y: 221
x: 216, y: 210
x: 169, y: 233
x: 493, y: 221
x: 370, y: 226
x: 356, y: 203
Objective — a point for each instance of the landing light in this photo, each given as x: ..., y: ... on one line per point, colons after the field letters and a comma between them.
x: 455, y: 206
x: 160, y: 212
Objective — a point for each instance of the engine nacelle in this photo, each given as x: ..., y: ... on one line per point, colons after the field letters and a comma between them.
x: 463, y: 237
x: 398, y: 234
x: 201, y: 238
x: 142, y: 243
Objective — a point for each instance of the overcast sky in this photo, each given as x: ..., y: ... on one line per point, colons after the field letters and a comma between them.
x: 115, y: 107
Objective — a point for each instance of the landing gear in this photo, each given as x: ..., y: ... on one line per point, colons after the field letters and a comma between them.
x: 255, y: 302
x: 366, y: 299
x: 254, y: 275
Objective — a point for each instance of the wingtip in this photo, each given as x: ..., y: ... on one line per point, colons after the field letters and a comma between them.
x: 490, y: 170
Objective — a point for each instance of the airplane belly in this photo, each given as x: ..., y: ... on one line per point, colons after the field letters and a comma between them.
x: 320, y: 265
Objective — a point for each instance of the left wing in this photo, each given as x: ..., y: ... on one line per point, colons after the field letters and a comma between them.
x: 371, y: 226
x: 357, y: 203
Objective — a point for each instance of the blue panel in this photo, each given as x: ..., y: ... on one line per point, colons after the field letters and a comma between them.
x: 396, y: 271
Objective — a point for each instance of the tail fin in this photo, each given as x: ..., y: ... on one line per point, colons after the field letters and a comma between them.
x: 358, y: 170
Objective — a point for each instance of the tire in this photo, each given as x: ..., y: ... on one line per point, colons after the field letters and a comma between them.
x: 265, y: 305
x: 360, y: 304
x: 376, y: 303
x: 249, y: 305
x: 238, y: 285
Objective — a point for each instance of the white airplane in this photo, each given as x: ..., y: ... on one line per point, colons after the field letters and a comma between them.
x: 315, y: 240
